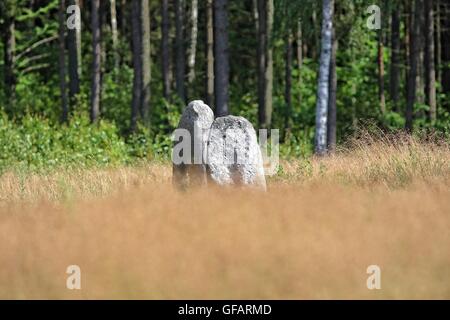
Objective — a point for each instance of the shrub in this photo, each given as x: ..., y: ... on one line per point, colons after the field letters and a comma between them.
x: 34, y: 143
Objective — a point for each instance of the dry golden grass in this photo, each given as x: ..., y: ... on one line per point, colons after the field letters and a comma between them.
x: 322, y: 223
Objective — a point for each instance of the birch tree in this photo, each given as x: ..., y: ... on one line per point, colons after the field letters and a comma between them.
x: 320, y: 140
x: 332, y: 107
x: 193, y: 41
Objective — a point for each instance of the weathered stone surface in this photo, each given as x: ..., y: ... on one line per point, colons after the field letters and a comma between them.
x: 196, y: 119
x: 233, y: 153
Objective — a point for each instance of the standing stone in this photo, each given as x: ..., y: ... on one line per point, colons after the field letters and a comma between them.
x: 233, y: 153
x: 195, y: 121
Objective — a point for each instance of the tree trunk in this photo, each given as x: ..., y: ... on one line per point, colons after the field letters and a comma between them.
x: 137, y: 67
x: 114, y: 34
x: 395, y: 59
x: 314, y: 43
x: 145, y: 60
x: 381, y: 72
x: 74, y: 50
x: 261, y: 52
x: 96, y: 64
x: 332, y: 109
x: 299, y: 58
x: 79, y: 3
x: 165, y: 48
x: 221, y: 62
x: 430, y: 73
x: 255, y: 15
x: 123, y: 17
x: 445, y: 63
x: 265, y: 62
x: 416, y: 17
x: 9, y: 43
x: 288, y: 84
x: 103, y: 30
x: 438, y: 53
x: 180, y: 64
x: 268, y: 76
x: 62, y: 60
x: 193, y: 42
x: 320, y: 140
x: 408, y: 10
x: 209, y: 54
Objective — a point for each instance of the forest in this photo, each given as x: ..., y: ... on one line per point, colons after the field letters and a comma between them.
x: 102, y: 82
x: 91, y: 92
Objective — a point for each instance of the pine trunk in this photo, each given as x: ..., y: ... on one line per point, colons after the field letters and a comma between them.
x: 445, y: 61
x: 9, y: 43
x: 145, y: 60
x: 414, y: 52
x: 74, y: 55
x: 380, y: 60
x: 96, y: 64
x: 430, y: 73
x: 265, y: 62
x: 165, y: 48
x: 438, y: 53
x: 221, y: 62
x: 299, y: 58
x: 62, y: 61
x: 268, y: 76
x: 137, y: 67
x: 394, y: 79
x: 180, y: 64
x: 288, y: 83
x: 261, y: 52
x: 209, y: 54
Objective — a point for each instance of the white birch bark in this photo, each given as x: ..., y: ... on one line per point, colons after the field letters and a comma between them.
x: 320, y: 140
x: 193, y: 44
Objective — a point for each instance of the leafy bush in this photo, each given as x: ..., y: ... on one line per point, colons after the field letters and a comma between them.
x: 35, y: 143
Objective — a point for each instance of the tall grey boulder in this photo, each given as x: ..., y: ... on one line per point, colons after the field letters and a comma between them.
x: 233, y: 153
x: 189, y: 150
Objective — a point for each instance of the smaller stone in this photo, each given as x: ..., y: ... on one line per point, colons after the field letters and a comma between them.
x: 233, y: 153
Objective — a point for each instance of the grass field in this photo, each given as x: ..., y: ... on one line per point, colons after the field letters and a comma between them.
x: 312, y: 235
